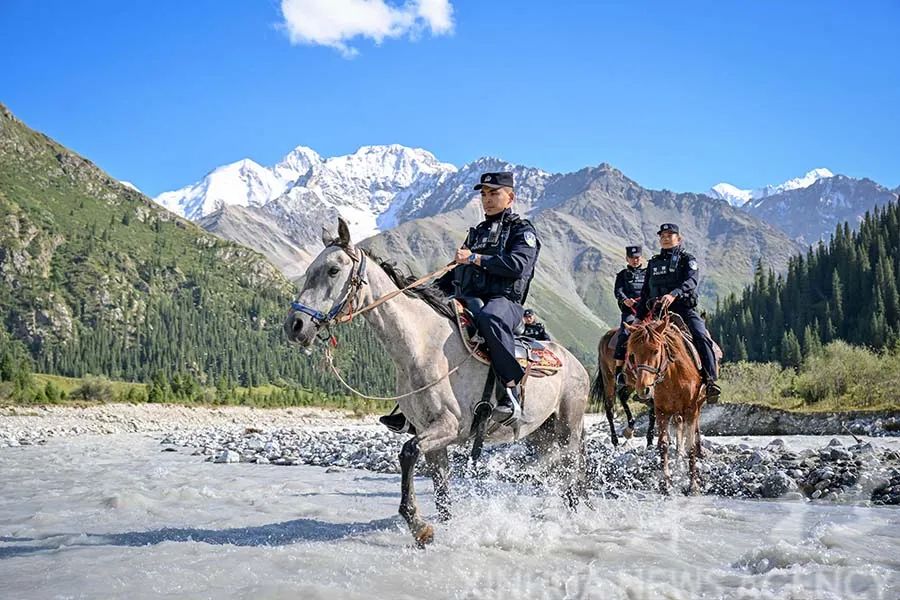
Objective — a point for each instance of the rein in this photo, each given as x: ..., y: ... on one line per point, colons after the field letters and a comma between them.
x: 329, y: 357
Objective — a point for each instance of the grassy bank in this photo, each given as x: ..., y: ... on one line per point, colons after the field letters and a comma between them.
x: 837, y: 378
x: 54, y: 389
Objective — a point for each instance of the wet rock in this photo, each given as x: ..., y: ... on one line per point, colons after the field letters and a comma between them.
x: 777, y: 484
x: 228, y: 456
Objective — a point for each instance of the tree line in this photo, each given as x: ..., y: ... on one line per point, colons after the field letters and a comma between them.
x: 844, y: 290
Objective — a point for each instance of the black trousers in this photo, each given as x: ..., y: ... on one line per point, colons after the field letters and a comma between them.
x: 622, y: 339
x: 496, y: 323
x: 702, y: 341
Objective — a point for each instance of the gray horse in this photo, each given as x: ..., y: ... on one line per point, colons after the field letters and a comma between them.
x: 425, y: 345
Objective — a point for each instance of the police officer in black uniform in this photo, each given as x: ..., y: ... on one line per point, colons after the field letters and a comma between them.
x: 496, y: 265
x: 534, y: 328
x: 671, y: 282
x: 629, y: 282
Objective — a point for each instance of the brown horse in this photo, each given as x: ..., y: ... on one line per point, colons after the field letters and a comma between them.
x: 603, y: 389
x: 664, y: 371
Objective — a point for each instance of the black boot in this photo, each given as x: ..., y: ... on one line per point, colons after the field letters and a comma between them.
x: 397, y: 423
x: 713, y: 391
x: 509, y: 408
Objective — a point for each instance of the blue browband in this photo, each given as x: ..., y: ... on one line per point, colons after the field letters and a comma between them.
x: 356, y: 280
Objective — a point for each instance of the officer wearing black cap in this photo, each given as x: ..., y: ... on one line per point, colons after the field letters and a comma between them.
x: 629, y: 282
x: 671, y: 282
x: 534, y: 328
x: 497, y: 263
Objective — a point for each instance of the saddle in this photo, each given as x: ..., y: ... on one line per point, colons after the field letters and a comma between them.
x: 536, y: 358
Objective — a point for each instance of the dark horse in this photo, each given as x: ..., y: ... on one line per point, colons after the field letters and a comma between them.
x: 603, y: 388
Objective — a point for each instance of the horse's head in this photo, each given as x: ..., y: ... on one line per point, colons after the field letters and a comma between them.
x: 333, y: 281
x: 648, y: 357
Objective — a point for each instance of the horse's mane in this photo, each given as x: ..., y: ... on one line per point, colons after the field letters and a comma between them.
x: 428, y: 293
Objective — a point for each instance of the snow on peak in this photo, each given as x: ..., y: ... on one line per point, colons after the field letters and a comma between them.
x: 739, y: 197
x: 801, y: 182
x: 128, y: 184
x: 390, y: 165
x: 242, y: 183
x: 369, y: 187
x: 296, y: 163
x: 731, y: 194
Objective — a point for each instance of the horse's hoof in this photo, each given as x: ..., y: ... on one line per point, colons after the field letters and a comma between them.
x: 628, y: 433
x: 425, y: 536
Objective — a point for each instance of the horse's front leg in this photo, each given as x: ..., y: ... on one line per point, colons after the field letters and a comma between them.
x: 650, y: 421
x: 608, y: 408
x: 629, y: 431
x: 434, y: 438
x: 662, y: 424
x: 409, y: 510
x: 440, y: 475
x: 693, y: 428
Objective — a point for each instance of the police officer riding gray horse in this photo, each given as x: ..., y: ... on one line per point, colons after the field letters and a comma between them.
x: 496, y: 266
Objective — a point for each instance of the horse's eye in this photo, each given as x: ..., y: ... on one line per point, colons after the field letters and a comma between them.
x: 333, y: 271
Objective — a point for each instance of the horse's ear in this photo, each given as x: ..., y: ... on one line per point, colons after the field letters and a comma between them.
x: 629, y: 328
x: 328, y: 238
x: 343, y: 233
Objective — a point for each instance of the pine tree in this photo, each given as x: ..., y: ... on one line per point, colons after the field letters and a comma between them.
x: 791, y: 355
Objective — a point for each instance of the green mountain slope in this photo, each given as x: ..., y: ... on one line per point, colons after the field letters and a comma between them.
x: 95, y: 277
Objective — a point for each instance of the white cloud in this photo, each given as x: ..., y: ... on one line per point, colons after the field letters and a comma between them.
x: 334, y: 23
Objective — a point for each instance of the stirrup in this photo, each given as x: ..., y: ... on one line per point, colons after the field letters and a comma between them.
x: 620, y: 382
x: 502, y: 412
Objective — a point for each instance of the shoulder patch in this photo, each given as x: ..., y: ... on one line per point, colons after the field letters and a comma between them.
x: 530, y: 238
x: 692, y: 265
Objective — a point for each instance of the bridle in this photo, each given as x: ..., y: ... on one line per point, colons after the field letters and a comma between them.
x: 660, y: 370
x: 342, y: 310
x: 336, y: 313
x: 340, y: 313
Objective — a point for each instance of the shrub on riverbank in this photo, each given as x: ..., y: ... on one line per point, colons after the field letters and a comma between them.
x: 839, y: 377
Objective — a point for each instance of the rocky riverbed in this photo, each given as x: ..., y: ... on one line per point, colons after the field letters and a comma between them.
x: 839, y: 470
x: 857, y: 472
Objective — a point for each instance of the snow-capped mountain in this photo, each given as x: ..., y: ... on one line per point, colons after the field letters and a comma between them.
x: 731, y: 194
x: 368, y: 188
x: 739, y: 197
x: 811, y: 213
x: 241, y: 183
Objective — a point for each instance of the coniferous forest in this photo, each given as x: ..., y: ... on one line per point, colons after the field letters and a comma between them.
x: 845, y: 290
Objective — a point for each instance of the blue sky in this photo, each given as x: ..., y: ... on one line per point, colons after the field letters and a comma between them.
x: 678, y: 95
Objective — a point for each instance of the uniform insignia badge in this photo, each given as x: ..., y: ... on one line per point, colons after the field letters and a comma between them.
x: 530, y: 239
x: 692, y: 265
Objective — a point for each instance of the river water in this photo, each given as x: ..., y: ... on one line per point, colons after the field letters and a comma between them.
x: 114, y: 517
